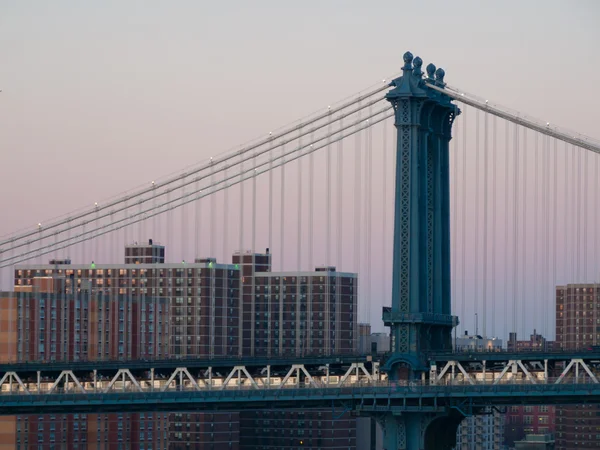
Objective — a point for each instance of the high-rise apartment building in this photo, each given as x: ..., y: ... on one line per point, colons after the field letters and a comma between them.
x: 482, y: 432
x: 149, y: 253
x: 146, y: 308
x: 577, y: 322
x: 526, y: 420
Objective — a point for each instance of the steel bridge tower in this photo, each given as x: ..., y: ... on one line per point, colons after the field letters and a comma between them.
x: 420, y: 317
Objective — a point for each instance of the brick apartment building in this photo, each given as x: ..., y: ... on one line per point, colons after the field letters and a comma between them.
x: 147, y: 308
x: 524, y: 420
x: 577, y: 328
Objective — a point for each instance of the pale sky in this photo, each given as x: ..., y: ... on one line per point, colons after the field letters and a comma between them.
x: 100, y: 98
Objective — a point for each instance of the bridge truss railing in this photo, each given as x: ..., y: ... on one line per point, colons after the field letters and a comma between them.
x: 238, y: 377
x: 530, y: 370
x: 466, y: 370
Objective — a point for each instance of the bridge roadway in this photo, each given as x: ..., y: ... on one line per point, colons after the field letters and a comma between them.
x: 379, y: 397
x: 456, y: 380
x: 335, y: 361
x: 167, y: 365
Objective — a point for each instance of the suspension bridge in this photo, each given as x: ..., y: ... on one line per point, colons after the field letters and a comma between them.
x: 486, y: 223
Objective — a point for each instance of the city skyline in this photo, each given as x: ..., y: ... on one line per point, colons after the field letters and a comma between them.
x: 85, y: 122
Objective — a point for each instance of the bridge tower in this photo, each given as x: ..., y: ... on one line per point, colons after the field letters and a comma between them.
x: 420, y: 318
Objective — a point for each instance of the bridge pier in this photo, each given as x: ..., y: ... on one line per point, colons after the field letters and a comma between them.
x: 420, y: 431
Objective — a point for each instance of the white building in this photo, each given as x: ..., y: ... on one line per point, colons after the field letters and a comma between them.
x: 483, y: 432
x: 467, y: 343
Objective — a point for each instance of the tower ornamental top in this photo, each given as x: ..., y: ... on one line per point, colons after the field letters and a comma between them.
x: 408, y: 58
x: 430, y: 70
x: 417, y: 62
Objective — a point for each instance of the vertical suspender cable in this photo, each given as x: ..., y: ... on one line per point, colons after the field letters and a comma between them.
x: 536, y: 233
x: 155, y: 218
x: 328, y: 193
x: 339, y: 220
x: 578, y: 215
x: 516, y: 228
x: 170, y: 221
x: 554, y: 226
x: 485, y: 218
x: 198, y: 218
x: 476, y: 221
x: 596, y: 217
x: 575, y: 223
x: 253, y: 259
x: 384, y: 170
x: 464, y: 212
x: 241, y: 266
x: 311, y: 181
x: 576, y: 206
x: 299, y: 212
x: 543, y: 256
x: 546, y: 256
x: 357, y: 214
x: 253, y: 213
x: 182, y: 238
x: 368, y: 202
x: 585, y: 211
x: 524, y: 238
x: 270, y: 241
x: 97, y: 240
x: 567, y: 212
x: 505, y: 244
x: 340, y: 197
x: 282, y: 210
x: 225, y: 218
x: 494, y: 237
x: 453, y: 229
x: 213, y: 212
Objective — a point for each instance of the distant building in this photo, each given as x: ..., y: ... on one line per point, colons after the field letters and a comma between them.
x: 149, y: 253
x: 577, y: 319
x: 481, y: 432
x: 467, y: 343
x: 372, y: 343
x: 364, y: 338
x: 536, y: 342
x: 147, y: 308
x: 536, y: 442
x: 524, y: 420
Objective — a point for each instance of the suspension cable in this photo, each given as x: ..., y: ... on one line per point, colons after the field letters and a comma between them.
x: 14, y: 240
x: 536, y: 125
x: 347, y: 128
x: 75, y: 215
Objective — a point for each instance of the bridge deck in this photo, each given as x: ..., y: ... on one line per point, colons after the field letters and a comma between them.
x: 387, y: 397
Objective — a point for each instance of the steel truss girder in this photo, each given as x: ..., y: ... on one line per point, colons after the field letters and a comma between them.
x: 121, y: 380
x: 534, y: 371
x: 123, y: 374
x: 358, y: 368
x: 576, y: 364
x: 239, y: 370
x: 9, y: 378
x: 66, y: 375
